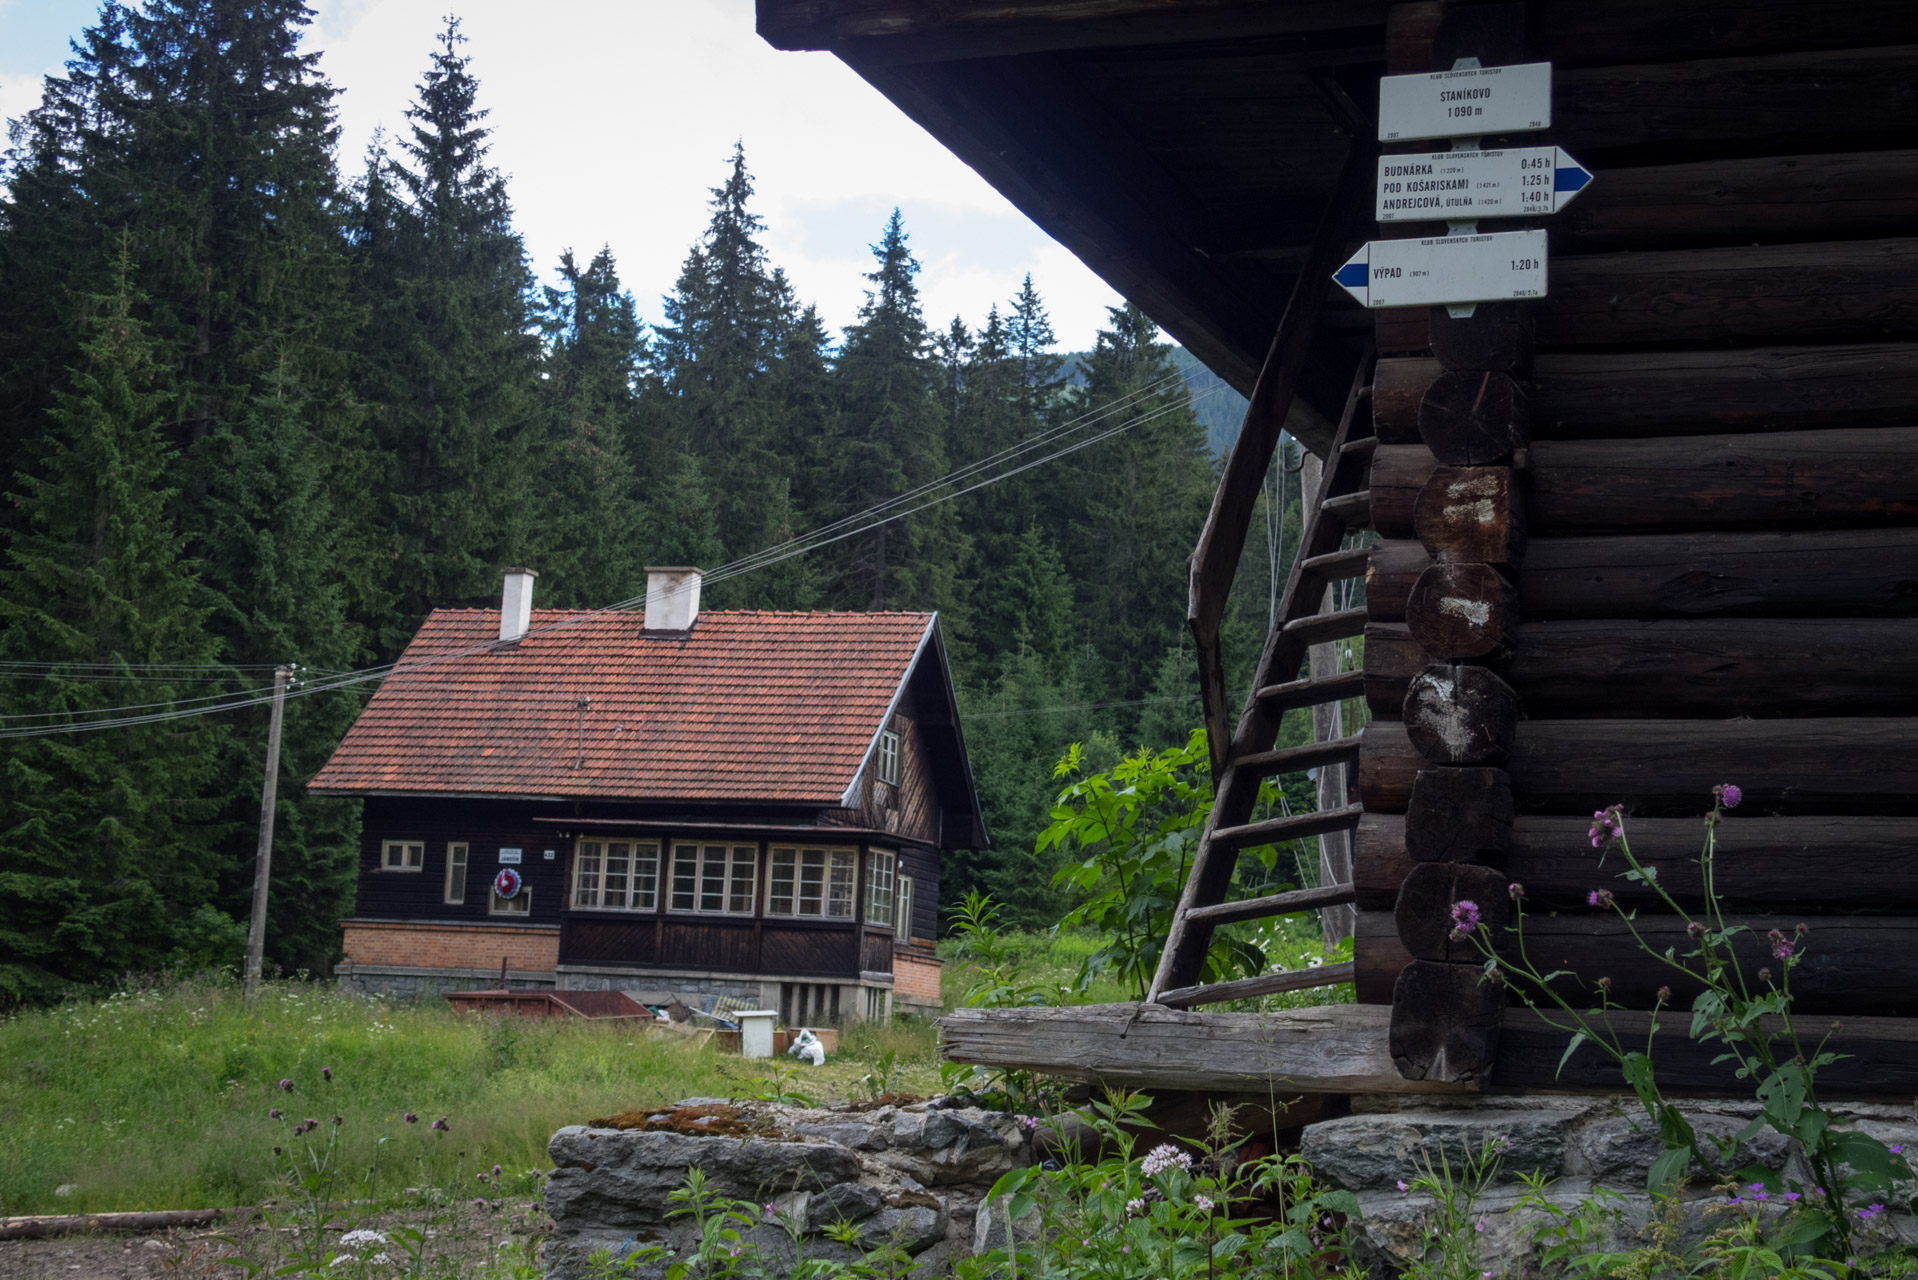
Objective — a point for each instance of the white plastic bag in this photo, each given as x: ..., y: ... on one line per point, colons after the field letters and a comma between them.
x: 807, y: 1048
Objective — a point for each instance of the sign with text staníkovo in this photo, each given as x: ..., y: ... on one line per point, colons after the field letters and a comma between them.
x: 1466, y: 103
x: 1460, y: 186
x: 1447, y: 269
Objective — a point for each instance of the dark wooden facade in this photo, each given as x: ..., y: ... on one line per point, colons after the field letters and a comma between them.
x: 1652, y: 533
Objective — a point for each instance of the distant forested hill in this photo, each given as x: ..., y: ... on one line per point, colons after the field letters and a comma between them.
x: 1219, y: 413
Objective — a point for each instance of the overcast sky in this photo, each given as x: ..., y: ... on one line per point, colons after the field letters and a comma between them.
x: 613, y: 118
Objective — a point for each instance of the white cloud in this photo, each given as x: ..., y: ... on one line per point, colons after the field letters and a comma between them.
x: 613, y: 118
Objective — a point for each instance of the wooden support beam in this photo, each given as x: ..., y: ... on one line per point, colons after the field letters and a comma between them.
x: 1667, y: 768
x: 1326, y: 1049
x: 1267, y: 984
x: 1858, y: 863
x: 1275, y: 904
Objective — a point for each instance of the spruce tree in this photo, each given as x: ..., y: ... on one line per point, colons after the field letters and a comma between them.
x: 450, y: 357
x: 889, y: 439
x: 683, y: 528
x: 106, y: 838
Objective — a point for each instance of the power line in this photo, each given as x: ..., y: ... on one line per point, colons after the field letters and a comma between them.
x: 875, y: 516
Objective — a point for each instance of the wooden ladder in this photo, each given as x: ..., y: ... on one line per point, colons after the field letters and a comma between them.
x: 1341, y: 506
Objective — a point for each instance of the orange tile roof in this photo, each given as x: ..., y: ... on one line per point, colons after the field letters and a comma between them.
x: 749, y: 706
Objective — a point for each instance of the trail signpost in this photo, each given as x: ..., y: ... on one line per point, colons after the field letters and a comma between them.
x: 1447, y: 270
x: 1466, y: 102
x: 1466, y: 185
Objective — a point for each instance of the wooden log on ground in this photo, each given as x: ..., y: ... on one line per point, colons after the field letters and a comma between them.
x: 1826, y: 100
x: 1475, y: 419
x: 1713, y: 667
x: 1459, y: 715
x: 1445, y: 1023
x: 1423, y: 910
x: 1459, y: 815
x: 1459, y: 611
x: 1667, y: 768
x: 1780, y: 479
x: 1845, y: 289
x: 1765, y: 863
x: 1738, y: 200
x: 1329, y: 1049
x: 47, y: 1226
x: 1470, y: 515
x: 1842, y: 573
x: 1395, y: 565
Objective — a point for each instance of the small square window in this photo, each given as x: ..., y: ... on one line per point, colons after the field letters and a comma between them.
x: 520, y: 904
x: 889, y: 757
x: 455, y: 873
x: 402, y: 855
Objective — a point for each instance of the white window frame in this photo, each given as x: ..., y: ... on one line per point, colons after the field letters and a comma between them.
x: 456, y: 858
x: 639, y: 887
x: 902, y: 908
x: 521, y: 902
x: 837, y: 884
x: 882, y: 871
x: 737, y: 894
x: 891, y: 750
x: 415, y: 860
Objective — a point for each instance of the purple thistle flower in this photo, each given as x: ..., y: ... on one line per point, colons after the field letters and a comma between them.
x: 1694, y: 931
x: 410, y: 1118
x: 1727, y: 794
x: 1791, y: 1196
x: 1599, y: 898
x: 274, y: 1113
x: 440, y: 1125
x: 496, y: 1171
x: 1607, y: 825
x: 1465, y: 918
x: 1664, y: 995
x: 1517, y: 891
x: 1403, y: 1189
x: 286, y: 1086
x: 1782, y: 951
x: 326, y: 1073
x: 1896, y: 1148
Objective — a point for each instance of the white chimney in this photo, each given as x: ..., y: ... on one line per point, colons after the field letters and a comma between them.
x: 672, y: 599
x: 516, y: 605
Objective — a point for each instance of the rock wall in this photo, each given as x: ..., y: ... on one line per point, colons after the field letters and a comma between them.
x: 913, y: 1175
x: 1581, y: 1141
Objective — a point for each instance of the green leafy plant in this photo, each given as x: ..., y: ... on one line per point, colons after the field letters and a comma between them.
x: 1749, y: 1015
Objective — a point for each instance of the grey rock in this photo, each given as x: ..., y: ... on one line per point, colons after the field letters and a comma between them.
x: 965, y: 1144
x: 1376, y: 1151
x: 856, y: 1132
x: 847, y: 1202
x: 703, y: 1102
x: 1620, y: 1149
x: 989, y: 1226
x: 622, y: 1178
x: 914, y: 1228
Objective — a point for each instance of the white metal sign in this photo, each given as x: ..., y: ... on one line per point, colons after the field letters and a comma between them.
x: 1460, y: 186
x: 1466, y: 103
x: 1447, y: 269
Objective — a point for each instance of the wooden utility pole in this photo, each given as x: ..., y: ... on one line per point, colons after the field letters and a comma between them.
x: 263, y: 863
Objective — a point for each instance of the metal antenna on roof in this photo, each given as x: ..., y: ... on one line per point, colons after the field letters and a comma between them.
x: 585, y: 701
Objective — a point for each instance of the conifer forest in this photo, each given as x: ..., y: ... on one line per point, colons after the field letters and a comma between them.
x: 264, y: 403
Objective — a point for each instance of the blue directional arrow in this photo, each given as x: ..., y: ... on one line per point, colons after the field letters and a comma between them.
x: 1571, y: 176
x: 1352, y: 274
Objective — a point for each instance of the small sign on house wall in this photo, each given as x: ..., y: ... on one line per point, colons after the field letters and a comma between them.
x: 510, y: 857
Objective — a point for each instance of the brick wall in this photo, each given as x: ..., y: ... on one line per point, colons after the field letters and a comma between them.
x: 915, y: 978
x: 451, y: 946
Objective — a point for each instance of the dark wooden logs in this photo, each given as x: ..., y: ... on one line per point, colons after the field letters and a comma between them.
x: 1445, y: 1023
x: 1395, y: 565
x: 1459, y: 815
x: 1466, y: 515
x: 1577, y: 395
x: 1392, y: 658
x: 1399, y: 473
x: 1764, y: 864
x: 1816, y: 101
x: 1857, y: 573
x: 1496, y: 337
x: 1424, y: 910
x: 1763, y: 199
x: 1459, y: 611
x: 1576, y: 34
x: 1474, y: 419
x: 1459, y: 715
x: 1667, y: 768
x: 1846, y: 289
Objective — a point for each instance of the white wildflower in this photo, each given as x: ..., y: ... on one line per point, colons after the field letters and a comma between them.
x: 1202, y: 1203
x: 1133, y: 1208
x: 362, y: 1235
x: 1162, y: 1157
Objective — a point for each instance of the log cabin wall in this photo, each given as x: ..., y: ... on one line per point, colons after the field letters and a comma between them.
x: 1658, y: 530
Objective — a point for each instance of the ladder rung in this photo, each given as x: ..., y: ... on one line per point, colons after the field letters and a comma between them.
x: 1267, y: 984
x: 1318, y: 628
x: 1292, y: 759
x: 1340, y: 565
x: 1280, y: 698
x: 1298, y: 825
x: 1355, y: 509
x: 1351, y: 447
x: 1274, y: 904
